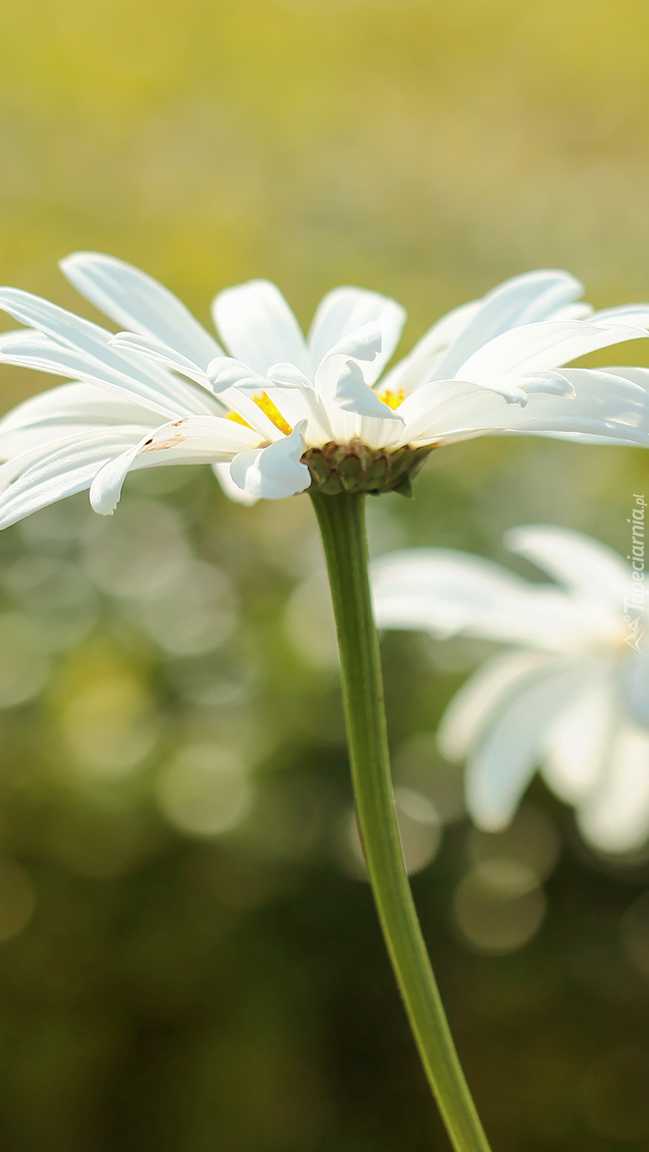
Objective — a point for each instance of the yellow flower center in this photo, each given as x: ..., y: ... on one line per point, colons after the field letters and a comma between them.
x: 392, y: 399
x: 268, y: 408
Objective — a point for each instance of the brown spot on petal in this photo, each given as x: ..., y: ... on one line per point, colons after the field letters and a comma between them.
x: 170, y: 442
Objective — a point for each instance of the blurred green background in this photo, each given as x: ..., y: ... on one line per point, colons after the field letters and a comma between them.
x: 189, y: 958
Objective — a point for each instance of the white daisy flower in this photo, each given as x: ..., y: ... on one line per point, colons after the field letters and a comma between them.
x: 282, y: 413
x: 571, y: 696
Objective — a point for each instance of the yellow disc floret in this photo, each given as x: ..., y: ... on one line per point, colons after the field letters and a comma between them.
x: 392, y: 399
x: 268, y: 408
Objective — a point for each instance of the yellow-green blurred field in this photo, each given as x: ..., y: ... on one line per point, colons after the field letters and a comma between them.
x: 189, y: 960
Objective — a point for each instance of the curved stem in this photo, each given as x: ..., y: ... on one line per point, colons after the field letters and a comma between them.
x: 342, y: 524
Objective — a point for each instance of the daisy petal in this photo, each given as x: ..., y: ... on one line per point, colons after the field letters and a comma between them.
x: 553, y: 383
x: 289, y: 376
x: 419, y: 365
x: 470, y: 709
x: 139, y: 303
x: 634, y: 677
x: 523, y: 300
x: 152, y: 349
x: 637, y: 376
x: 232, y: 490
x: 549, y: 344
x: 224, y: 372
x: 276, y: 471
x: 635, y: 314
x: 64, y: 412
x: 575, y: 560
x: 362, y: 344
x: 75, y: 403
x: 501, y: 768
x: 447, y: 593
x: 60, y: 471
x: 259, y: 328
x: 354, y: 395
x: 71, y: 346
x: 615, y: 818
x: 608, y: 407
x: 345, y: 310
x: 304, y: 403
x: 576, y: 743
x: 192, y: 440
x: 246, y: 407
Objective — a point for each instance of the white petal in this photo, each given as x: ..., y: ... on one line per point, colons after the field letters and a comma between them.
x: 553, y: 383
x: 232, y: 490
x: 575, y: 560
x: 27, y: 442
x: 382, y: 432
x: 354, y: 395
x: 579, y: 311
x: 472, y: 706
x: 29, y: 349
x: 515, y: 387
x: 276, y: 471
x: 604, y: 406
x: 362, y: 344
x: 192, y: 440
x: 418, y: 366
x: 578, y: 741
x: 71, y: 346
x: 107, y: 484
x: 224, y: 372
x: 504, y: 762
x: 288, y: 375
x: 259, y: 328
x: 549, y: 344
x: 634, y: 314
x: 304, y: 403
x: 59, y: 472
x: 431, y: 409
x: 343, y: 311
x: 139, y: 303
x: 633, y: 687
x: 637, y: 376
x: 154, y: 350
x: 523, y: 300
x: 616, y: 817
x: 244, y: 405
x: 63, y: 412
x: 447, y: 592
x: 75, y: 404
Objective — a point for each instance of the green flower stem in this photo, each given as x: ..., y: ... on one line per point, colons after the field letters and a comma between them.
x: 342, y: 524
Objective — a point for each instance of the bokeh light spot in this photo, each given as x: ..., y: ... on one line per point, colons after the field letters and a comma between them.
x: 205, y: 790
x: 499, y: 906
x: 24, y: 670
x: 107, y: 718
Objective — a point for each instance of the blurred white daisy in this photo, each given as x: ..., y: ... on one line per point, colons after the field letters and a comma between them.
x: 571, y: 697
x: 283, y: 412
